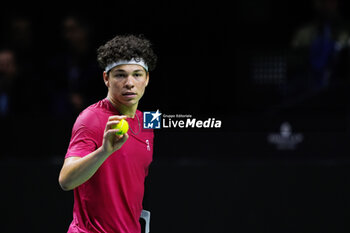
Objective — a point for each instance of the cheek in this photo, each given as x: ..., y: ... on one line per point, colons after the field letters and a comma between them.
x: 142, y: 86
x: 115, y: 85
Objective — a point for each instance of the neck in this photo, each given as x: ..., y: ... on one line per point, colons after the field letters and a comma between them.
x: 128, y: 111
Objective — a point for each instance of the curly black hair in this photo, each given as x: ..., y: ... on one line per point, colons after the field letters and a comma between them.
x: 127, y: 47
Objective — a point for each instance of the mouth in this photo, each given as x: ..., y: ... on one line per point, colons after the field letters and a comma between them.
x: 129, y: 94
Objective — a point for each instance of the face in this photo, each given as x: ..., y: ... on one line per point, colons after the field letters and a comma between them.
x: 126, y: 84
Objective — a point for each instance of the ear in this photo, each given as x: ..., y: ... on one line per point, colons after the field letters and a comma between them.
x: 106, y: 78
x: 147, y: 79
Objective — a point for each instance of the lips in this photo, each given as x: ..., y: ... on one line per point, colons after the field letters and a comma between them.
x: 129, y: 94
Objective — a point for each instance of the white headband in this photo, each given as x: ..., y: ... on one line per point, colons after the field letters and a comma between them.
x: 137, y: 61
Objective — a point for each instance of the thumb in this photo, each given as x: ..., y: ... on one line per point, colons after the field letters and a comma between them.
x: 124, y: 137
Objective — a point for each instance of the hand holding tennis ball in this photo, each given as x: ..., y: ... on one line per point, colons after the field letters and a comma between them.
x: 123, y: 127
x: 114, y: 139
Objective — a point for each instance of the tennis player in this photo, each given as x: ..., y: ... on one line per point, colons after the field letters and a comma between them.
x: 106, y: 171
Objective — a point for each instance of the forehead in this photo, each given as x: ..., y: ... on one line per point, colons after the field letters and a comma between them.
x: 128, y: 68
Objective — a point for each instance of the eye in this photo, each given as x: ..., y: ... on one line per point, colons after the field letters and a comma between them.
x: 138, y: 74
x: 120, y: 75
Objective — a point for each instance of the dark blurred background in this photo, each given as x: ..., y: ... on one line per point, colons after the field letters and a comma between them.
x: 276, y: 73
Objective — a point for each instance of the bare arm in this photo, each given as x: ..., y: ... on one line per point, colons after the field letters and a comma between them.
x: 76, y: 170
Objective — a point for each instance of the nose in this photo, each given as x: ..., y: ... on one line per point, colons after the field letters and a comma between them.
x: 129, y: 82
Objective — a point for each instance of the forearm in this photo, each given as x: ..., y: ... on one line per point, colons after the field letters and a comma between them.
x: 76, y: 170
x: 80, y: 170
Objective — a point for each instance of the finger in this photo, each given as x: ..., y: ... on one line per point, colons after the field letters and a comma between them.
x: 116, y: 117
x: 111, y: 132
x: 125, y: 137
x: 110, y: 124
x: 121, y: 138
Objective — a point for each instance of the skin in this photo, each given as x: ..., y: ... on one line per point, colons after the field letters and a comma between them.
x: 126, y: 85
x: 123, y: 79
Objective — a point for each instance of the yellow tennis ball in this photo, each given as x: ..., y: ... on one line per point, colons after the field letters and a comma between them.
x: 123, y: 127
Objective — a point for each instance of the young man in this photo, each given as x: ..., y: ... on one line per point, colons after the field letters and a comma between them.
x: 106, y: 171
